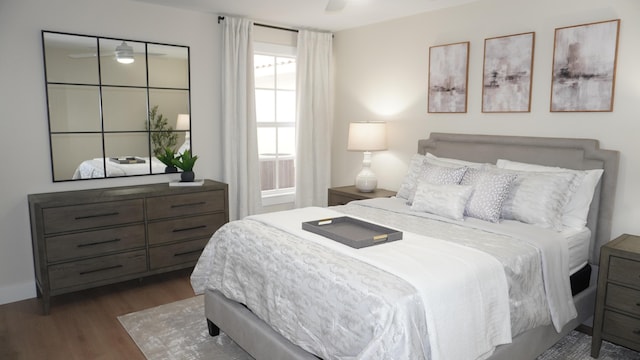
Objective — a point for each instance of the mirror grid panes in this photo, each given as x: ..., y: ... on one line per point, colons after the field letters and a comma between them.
x: 114, y: 104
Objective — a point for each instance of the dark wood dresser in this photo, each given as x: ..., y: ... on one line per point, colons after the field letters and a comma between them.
x: 617, y: 316
x: 88, y: 238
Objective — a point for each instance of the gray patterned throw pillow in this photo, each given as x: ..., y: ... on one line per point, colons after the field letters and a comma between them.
x: 491, y: 189
x: 439, y: 175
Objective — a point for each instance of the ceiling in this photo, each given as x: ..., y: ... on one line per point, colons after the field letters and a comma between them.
x: 311, y: 14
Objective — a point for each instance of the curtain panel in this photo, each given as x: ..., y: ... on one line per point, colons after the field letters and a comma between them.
x: 314, y: 118
x: 240, y: 138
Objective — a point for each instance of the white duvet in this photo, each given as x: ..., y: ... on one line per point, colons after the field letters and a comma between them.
x: 342, y: 303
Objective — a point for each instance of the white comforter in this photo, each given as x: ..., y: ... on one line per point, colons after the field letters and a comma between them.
x: 339, y: 308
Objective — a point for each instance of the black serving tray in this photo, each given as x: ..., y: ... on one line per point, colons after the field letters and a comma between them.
x: 128, y: 160
x: 352, y: 232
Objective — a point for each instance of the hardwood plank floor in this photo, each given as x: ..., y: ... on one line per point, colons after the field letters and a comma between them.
x: 84, y: 325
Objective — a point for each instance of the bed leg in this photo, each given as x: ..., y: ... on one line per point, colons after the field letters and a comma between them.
x: 213, y: 329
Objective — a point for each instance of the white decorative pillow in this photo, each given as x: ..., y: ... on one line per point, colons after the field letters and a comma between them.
x: 451, y: 162
x: 490, y: 190
x: 447, y: 200
x: 410, y: 181
x: 538, y: 198
x: 575, y: 213
x: 441, y: 175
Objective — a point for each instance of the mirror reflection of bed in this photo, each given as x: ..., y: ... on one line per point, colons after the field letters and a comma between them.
x: 341, y: 302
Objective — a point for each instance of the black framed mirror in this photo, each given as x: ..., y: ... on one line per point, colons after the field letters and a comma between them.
x: 114, y: 104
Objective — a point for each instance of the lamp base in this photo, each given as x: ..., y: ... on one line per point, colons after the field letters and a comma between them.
x: 366, y: 180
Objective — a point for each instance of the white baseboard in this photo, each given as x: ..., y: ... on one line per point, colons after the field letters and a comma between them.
x: 17, y: 292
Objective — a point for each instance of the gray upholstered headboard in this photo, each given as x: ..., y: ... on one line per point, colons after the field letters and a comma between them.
x: 580, y: 154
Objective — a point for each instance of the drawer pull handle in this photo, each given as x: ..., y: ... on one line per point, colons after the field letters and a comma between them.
x: 97, y: 215
x: 636, y: 332
x: 99, y: 243
x: 190, y: 228
x: 188, y: 204
x: 101, y: 269
x: 188, y: 252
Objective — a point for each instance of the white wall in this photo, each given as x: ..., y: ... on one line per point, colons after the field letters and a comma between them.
x: 24, y: 141
x: 382, y: 74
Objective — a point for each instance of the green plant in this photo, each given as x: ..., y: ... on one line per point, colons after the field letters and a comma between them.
x: 167, y: 156
x: 185, y: 161
x: 162, y: 135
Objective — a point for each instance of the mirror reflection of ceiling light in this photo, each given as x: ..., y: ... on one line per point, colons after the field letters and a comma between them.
x: 124, y: 53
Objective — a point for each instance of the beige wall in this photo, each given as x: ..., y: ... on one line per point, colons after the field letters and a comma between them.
x: 382, y: 74
x: 24, y: 140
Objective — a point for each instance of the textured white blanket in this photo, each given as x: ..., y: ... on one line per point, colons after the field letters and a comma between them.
x: 464, y: 290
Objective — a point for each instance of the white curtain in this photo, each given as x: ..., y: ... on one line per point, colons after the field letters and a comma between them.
x: 314, y: 118
x: 240, y: 138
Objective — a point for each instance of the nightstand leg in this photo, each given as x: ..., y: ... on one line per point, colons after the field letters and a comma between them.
x: 595, y: 347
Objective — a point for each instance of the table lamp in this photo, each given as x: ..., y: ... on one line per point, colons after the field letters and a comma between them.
x: 367, y: 137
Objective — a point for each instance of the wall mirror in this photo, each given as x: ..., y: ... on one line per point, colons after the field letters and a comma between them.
x: 113, y: 104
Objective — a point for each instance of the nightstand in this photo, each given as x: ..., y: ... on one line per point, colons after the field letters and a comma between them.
x: 617, y: 316
x: 344, y: 194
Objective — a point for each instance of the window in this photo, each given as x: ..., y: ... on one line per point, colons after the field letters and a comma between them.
x: 275, y: 83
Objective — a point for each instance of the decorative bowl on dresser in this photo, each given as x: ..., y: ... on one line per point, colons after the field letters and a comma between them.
x: 617, y: 315
x: 87, y: 238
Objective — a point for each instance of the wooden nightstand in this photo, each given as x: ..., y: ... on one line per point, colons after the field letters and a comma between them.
x: 344, y: 194
x: 617, y: 316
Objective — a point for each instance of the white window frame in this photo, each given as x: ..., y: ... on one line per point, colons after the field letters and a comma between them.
x: 286, y: 195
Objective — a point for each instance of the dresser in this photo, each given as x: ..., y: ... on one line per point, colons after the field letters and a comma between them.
x: 344, y: 194
x: 617, y: 315
x: 87, y: 238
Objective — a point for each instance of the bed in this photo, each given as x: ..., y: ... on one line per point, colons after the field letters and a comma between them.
x: 565, y: 308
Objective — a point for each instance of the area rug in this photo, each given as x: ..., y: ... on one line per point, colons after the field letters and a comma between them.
x: 179, y: 331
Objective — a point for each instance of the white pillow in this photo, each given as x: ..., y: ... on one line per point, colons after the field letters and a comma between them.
x: 410, y: 181
x: 441, y: 175
x: 447, y: 200
x: 490, y: 190
x: 575, y: 213
x: 452, y: 162
x: 538, y: 198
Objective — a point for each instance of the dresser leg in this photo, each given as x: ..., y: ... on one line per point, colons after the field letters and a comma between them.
x: 595, y: 347
x: 46, y: 304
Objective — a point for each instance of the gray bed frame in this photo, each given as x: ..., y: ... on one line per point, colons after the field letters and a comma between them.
x: 262, y: 342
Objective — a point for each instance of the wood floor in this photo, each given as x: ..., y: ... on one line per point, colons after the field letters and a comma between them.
x: 83, y: 325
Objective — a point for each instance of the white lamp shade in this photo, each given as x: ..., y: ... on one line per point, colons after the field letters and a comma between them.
x: 183, y: 122
x: 367, y: 136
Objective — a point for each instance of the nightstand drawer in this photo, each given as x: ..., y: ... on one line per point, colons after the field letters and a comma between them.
x: 336, y: 199
x: 623, y: 326
x: 93, y: 243
x: 623, y: 298
x: 78, y: 217
x: 624, y: 271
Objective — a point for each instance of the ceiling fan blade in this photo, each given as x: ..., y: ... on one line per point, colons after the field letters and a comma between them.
x: 335, y: 5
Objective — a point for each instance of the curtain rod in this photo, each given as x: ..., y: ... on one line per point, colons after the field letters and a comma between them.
x: 220, y: 18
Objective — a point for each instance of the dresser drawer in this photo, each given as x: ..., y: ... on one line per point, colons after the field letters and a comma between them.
x: 93, y: 243
x: 186, y: 204
x: 186, y: 252
x: 78, y: 217
x: 184, y: 228
x: 623, y: 298
x: 96, y: 269
x: 624, y: 271
x: 623, y: 326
